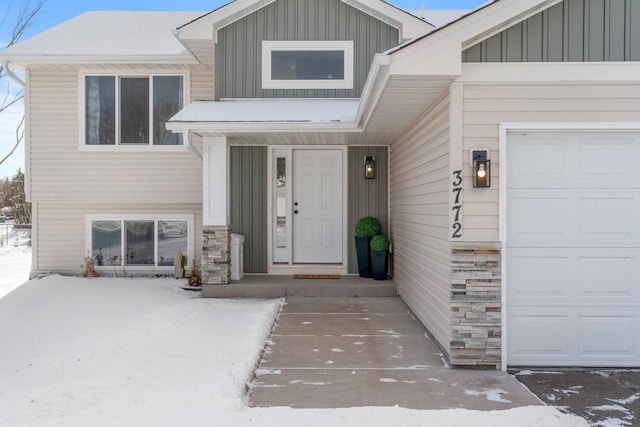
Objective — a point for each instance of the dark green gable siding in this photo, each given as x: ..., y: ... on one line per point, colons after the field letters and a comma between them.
x: 571, y: 31
x: 248, y: 204
x: 239, y: 47
x: 367, y: 197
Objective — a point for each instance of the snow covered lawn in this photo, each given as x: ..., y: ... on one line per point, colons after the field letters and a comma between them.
x: 15, y: 258
x: 134, y: 352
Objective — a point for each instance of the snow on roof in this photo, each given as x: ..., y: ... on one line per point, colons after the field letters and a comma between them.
x: 439, y: 17
x: 108, y: 34
x: 269, y: 110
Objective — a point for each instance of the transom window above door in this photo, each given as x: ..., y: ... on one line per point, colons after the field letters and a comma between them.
x: 131, y: 110
x: 307, y: 64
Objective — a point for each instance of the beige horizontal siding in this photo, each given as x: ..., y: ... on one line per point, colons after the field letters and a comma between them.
x: 61, y: 228
x: 61, y: 172
x: 486, y: 105
x: 419, y: 197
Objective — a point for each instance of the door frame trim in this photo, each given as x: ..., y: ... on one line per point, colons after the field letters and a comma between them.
x: 504, y: 129
x: 291, y: 268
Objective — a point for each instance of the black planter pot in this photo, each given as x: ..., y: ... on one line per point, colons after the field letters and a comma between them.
x: 364, y: 256
x: 379, y: 264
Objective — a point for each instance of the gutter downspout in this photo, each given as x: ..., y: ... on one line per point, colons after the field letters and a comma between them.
x: 5, y: 67
x: 186, y: 136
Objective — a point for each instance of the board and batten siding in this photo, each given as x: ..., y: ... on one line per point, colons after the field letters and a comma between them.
x: 573, y: 30
x: 419, y: 197
x: 248, y: 203
x: 61, y: 172
x: 239, y: 47
x: 367, y: 197
x: 487, y: 105
x: 61, y: 228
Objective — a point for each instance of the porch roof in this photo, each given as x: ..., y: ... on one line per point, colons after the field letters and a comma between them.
x: 264, y: 115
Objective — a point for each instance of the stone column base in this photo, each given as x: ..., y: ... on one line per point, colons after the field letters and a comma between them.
x: 476, y: 311
x: 216, y: 255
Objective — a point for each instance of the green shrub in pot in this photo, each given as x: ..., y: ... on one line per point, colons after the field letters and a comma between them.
x: 366, y: 228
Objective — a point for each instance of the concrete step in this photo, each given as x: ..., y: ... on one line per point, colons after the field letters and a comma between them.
x: 285, y: 286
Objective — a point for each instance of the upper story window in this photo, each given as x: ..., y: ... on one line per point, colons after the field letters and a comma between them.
x: 307, y: 64
x: 131, y: 110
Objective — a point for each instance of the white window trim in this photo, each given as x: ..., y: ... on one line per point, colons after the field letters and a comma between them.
x: 145, y: 217
x: 128, y: 148
x: 345, y: 46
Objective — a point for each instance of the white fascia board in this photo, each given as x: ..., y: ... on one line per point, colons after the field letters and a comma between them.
x: 409, y: 26
x: 91, y: 59
x: 373, y: 89
x: 449, y: 41
x: 509, y: 72
x: 257, y: 127
x: 204, y: 28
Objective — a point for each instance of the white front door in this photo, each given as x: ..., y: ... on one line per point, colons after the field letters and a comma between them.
x: 573, y: 248
x: 317, y: 206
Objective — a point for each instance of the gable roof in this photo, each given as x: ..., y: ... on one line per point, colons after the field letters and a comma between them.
x: 199, y: 35
x: 409, y: 25
x: 109, y: 36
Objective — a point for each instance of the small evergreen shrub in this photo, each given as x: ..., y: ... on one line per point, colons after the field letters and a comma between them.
x: 379, y: 243
x: 367, y: 227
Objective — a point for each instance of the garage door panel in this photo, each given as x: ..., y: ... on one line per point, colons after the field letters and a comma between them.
x: 535, y: 336
x: 540, y: 274
x: 573, y: 217
x: 573, y: 276
x: 609, y: 275
x: 601, y: 337
x: 599, y: 160
x: 610, y: 336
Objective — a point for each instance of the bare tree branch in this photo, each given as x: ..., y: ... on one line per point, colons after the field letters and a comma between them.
x: 19, y: 138
x: 25, y: 18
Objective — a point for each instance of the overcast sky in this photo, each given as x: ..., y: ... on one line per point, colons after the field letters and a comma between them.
x: 57, y: 11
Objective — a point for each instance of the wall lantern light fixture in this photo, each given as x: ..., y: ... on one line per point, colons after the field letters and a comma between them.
x: 369, y: 167
x: 481, y: 168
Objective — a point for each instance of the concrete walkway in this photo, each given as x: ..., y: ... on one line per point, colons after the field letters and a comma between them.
x: 348, y: 352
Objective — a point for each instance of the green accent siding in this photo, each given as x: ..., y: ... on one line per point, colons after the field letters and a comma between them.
x: 239, y: 47
x: 367, y: 197
x: 248, y: 203
x: 571, y: 31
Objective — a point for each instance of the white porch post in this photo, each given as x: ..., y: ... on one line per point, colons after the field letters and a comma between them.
x: 216, y: 251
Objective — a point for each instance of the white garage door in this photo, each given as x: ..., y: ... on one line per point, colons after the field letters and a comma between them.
x: 573, y: 248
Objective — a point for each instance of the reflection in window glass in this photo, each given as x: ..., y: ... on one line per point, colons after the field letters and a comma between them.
x: 100, y: 110
x: 139, y: 244
x: 307, y: 65
x: 281, y: 203
x: 106, y: 238
x: 172, y: 237
x: 134, y: 110
x: 167, y: 101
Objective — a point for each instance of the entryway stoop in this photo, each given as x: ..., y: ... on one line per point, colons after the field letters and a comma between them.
x: 263, y: 286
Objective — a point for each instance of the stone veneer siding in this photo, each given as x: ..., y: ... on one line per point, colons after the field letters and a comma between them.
x: 216, y: 255
x: 476, y: 312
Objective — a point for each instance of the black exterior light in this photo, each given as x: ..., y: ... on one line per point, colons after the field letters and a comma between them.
x: 481, y: 168
x: 369, y: 167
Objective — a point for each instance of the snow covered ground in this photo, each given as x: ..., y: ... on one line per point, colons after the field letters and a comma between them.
x: 15, y: 257
x: 132, y: 352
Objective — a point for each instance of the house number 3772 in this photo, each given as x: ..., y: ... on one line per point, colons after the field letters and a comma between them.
x: 457, y: 205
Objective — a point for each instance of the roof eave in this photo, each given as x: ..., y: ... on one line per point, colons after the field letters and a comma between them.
x: 257, y: 127
x: 92, y: 59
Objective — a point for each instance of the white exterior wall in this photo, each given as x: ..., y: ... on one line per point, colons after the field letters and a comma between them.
x: 62, y: 228
x: 419, y: 204
x: 67, y: 184
x: 488, y: 103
